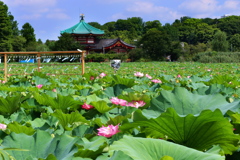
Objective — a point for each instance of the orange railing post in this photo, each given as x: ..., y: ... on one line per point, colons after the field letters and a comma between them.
x: 39, y: 61
x: 83, y: 62
x: 5, y: 67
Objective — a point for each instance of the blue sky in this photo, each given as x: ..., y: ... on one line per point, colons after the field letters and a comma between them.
x: 49, y: 17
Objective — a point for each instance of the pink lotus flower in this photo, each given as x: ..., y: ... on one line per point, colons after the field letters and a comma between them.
x: 117, y: 101
x: 102, y: 75
x: 3, y: 126
x: 148, y: 76
x: 92, y: 78
x: 54, y: 90
x: 39, y: 86
x: 179, y: 76
x: 138, y: 74
x: 108, y: 131
x: 156, y: 81
x: 87, y: 106
x: 136, y: 104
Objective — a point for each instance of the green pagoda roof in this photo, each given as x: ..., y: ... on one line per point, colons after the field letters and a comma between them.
x: 83, y: 28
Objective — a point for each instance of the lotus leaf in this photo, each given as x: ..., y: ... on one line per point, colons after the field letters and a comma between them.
x: 153, y: 149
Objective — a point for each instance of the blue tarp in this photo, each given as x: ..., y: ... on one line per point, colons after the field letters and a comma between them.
x: 27, y: 61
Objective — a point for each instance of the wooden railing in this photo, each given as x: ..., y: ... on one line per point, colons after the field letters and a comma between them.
x: 38, y: 57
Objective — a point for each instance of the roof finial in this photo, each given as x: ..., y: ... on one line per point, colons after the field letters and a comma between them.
x: 82, y: 17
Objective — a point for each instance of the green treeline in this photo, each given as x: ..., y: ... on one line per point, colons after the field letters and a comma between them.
x: 183, y: 40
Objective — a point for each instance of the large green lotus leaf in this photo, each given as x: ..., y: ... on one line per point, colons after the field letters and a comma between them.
x: 155, y: 149
x: 215, y: 88
x: 122, y: 80
x: 115, y: 90
x: 198, y: 132
x: 185, y: 102
x: 39, y: 80
x: 70, y: 119
x: 235, y: 120
x: 196, y: 85
x: 119, y: 155
x: 91, y: 148
x: 17, y: 128
x: 82, y: 130
x: 141, y: 88
x: 40, y: 145
x: 60, y: 102
x: 10, y: 104
x: 101, y: 106
x: 95, y: 98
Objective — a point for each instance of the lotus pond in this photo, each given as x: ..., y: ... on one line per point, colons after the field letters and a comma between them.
x: 144, y: 111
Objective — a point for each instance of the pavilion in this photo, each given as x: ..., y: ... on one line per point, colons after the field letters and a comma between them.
x: 87, y: 36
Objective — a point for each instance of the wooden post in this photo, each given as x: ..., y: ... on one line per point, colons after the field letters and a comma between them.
x: 5, y: 67
x: 83, y: 62
x: 39, y: 61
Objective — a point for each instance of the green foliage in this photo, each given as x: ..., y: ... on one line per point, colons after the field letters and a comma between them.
x: 66, y: 42
x: 69, y: 120
x: 155, y: 44
x: 217, y: 57
x: 153, y: 149
x: 235, y: 43
x: 10, y: 104
x: 229, y: 25
x: 199, y: 132
x: 219, y: 42
x: 96, y: 57
x: 17, y: 128
x: 18, y: 43
x: 27, y: 32
x: 41, y: 145
x: 5, y: 29
x: 185, y: 102
x: 64, y: 103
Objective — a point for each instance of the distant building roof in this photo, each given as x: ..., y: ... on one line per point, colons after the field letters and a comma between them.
x: 107, y: 43
x: 83, y: 28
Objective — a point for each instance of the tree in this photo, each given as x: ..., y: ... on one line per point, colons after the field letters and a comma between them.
x: 96, y: 25
x: 156, y: 44
x: 39, y: 41
x: 171, y: 31
x: 50, y: 44
x: 123, y: 24
x: 109, y: 26
x: 5, y: 28
x: 235, y: 42
x: 137, y: 24
x: 229, y: 25
x: 14, y: 24
x: 152, y: 24
x: 66, y: 42
x: 220, y: 42
x: 205, y: 32
x: 18, y: 43
x: 27, y: 32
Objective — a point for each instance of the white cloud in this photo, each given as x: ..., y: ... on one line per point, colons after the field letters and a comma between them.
x: 199, y: 6
x: 115, y: 1
x: 57, y: 15
x: 148, y: 9
x: 231, y: 4
x: 31, y: 16
x: 32, y: 2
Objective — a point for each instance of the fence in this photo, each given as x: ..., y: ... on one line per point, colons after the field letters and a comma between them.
x: 38, y: 56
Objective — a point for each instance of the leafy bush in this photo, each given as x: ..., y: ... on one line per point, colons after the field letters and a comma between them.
x: 217, y: 57
x: 100, y: 57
